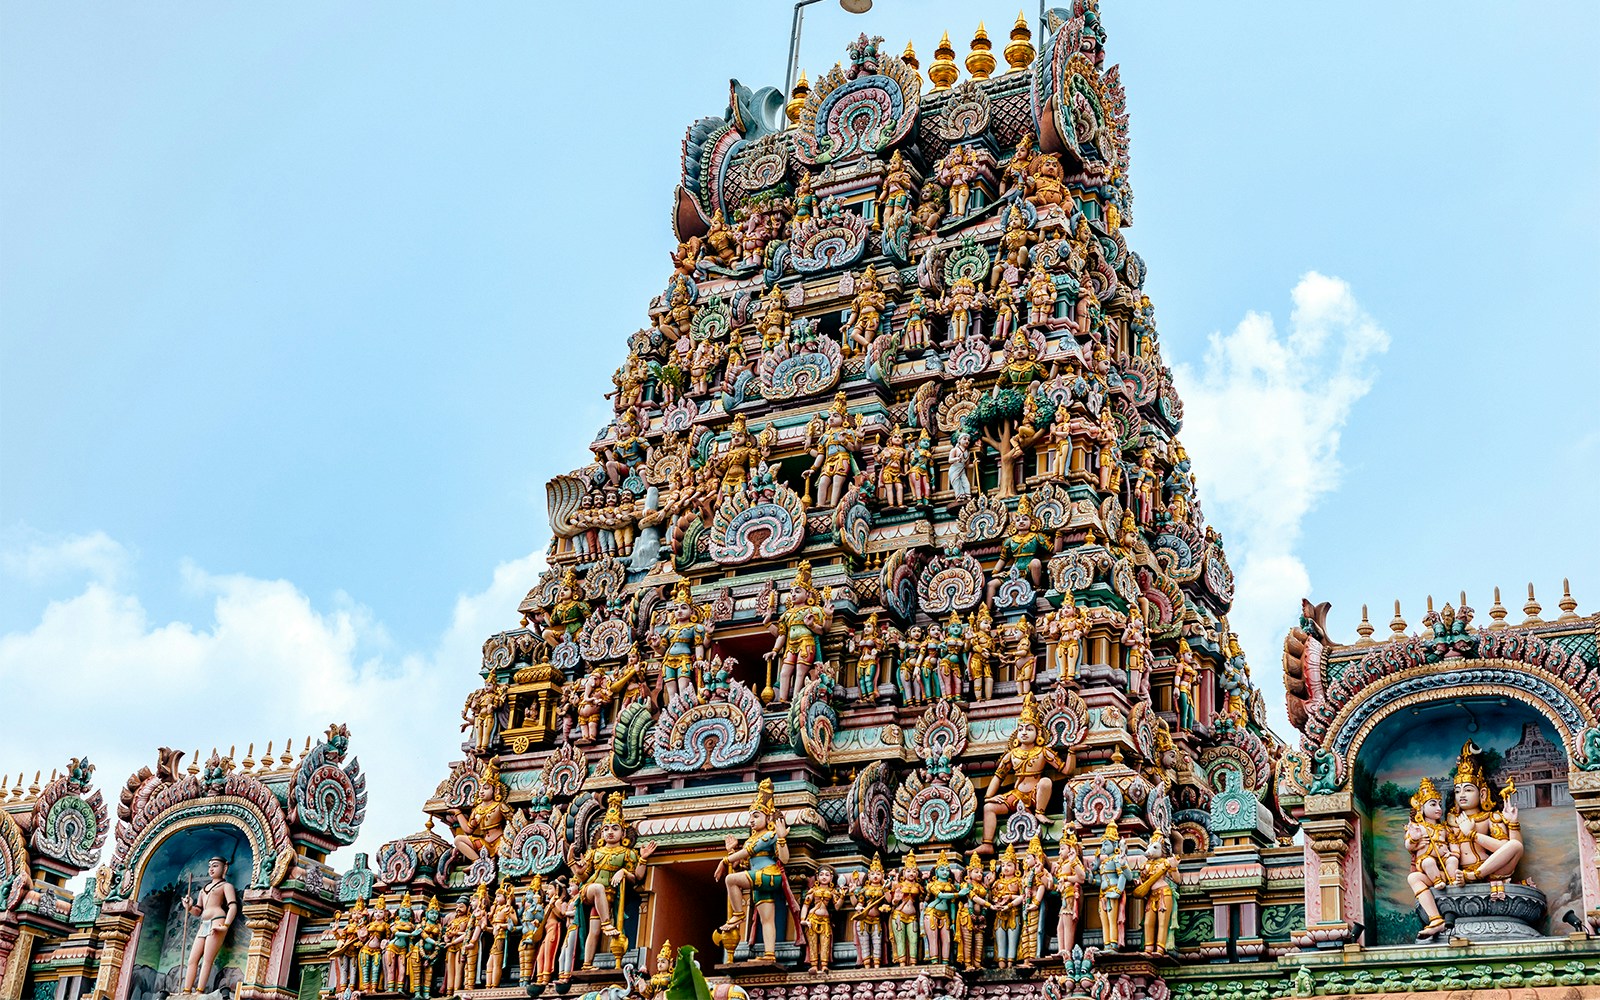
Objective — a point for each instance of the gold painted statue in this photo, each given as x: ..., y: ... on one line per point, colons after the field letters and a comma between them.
x: 1433, y: 859
x: 1489, y: 840
x: 606, y: 868
x: 754, y: 874
x: 479, y: 830
x: 1026, y: 764
x: 1158, y: 887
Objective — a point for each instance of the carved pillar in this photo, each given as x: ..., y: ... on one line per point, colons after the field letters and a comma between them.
x: 1585, y: 789
x: 1330, y: 826
x: 115, y: 931
x: 262, y: 916
x: 15, y: 970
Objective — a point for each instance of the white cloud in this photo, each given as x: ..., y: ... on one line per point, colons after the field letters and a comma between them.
x: 95, y: 675
x: 1262, y: 419
x: 34, y: 559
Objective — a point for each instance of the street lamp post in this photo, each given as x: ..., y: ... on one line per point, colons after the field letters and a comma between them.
x: 853, y: 6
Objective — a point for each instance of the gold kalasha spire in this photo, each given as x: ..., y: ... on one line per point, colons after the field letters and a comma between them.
x: 1532, y: 609
x: 1019, y: 54
x: 980, y: 61
x: 943, y: 71
x: 797, y: 100
x: 909, y: 56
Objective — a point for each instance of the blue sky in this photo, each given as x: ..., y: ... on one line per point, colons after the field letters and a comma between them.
x: 301, y: 305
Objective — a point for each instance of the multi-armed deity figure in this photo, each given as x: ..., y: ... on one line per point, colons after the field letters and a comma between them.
x: 606, y: 869
x: 1027, y: 765
x: 799, y: 629
x: 1158, y: 887
x: 479, y: 831
x: 1111, y: 878
x: 1488, y: 840
x: 217, y: 906
x: 1433, y: 858
x: 1007, y: 898
x: 816, y: 916
x: 754, y: 874
x: 834, y: 442
x: 938, y: 913
x: 1067, y: 876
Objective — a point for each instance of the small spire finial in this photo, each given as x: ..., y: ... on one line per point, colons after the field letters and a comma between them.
x: 797, y: 100
x: 943, y: 71
x: 1397, y: 624
x: 1568, y: 606
x: 1532, y: 609
x: 249, y: 757
x: 33, y: 789
x: 909, y: 56
x: 194, y: 763
x: 287, y: 757
x: 1497, y: 613
x: 980, y: 61
x: 1365, y: 629
x: 1019, y: 54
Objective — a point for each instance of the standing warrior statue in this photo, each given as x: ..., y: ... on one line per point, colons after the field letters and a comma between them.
x: 799, y: 631
x: 216, y: 904
x: 1111, y: 877
x: 1158, y: 887
x: 605, y: 868
x: 834, y: 441
x: 761, y: 880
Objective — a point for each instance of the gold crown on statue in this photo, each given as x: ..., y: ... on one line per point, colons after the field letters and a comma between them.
x: 1010, y: 854
x: 1468, y: 770
x: 975, y: 863
x: 1029, y: 715
x: 840, y: 406
x: 614, y: 809
x: 1024, y: 507
x: 1036, y: 846
x: 877, y: 864
x: 764, y: 801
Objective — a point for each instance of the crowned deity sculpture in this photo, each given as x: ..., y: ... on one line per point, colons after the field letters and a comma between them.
x: 1066, y: 627
x: 816, y: 916
x: 753, y: 873
x: 833, y: 442
x: 1067, y: 876
x: 905, y: 899
x: 972, y: 914
x: 1007, y: 897
x: 1026, y: 766
x: 1111, y: 878
x: 1035, y: 883
x: 1433, y: 859
x: 869, y: 647
x: 1488, y: 839
x: 606, y: 869
x: 938, y: 913
x: 1158, y: 887
x: 479, y: 830
x: 1025, y: 549
x: 799, y: 629
x: 681, y: 643
x: 866, y: 312
x: 870, y: 898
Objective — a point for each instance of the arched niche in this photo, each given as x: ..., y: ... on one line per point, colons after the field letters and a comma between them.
x: 174, y: 866
x: 1423, y: 738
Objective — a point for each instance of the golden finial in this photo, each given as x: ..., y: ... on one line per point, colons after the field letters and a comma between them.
x: 194, y: 763
x: 1532, y: 609
x: 33, y: 789
x: 980, y: 61
x: 1497, y: 613
x: 1427, y: 630
x: 1020, y: 52
x: 249, y: 757
x: 943, y: 71
x: 909, y: 57
x: 1568, y: 606
x: 1397, y: 624
x: 797, y: 100
x: 1116, y: 755
x: 1364, y: 630
x: 287, y: 757
x: 266, y: 759
x: 307, y: 750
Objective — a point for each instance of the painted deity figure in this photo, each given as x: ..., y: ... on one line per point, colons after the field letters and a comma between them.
x: 456, y: 928
x: 869, y: 649
x: 982, y: 652
x: 558, y: 910
x: 834, y: 443
x: 972, y: 914
x: 425, y: 951
x: 1006, y: 317
x: 217, y: 906
x: 1136, y: 643
x: 866, y: 311
x: 908, y: 678
x: 915, y: 333
x: 606, y: 868
x: 346, y: 936
x: 480, y: 829
x: 754, y: 874
x: 894, y: 197
x: 1067, y: 628
x: 1026, y: 548
x: 1185, y: 678
x: 567, y: 615
x: 373, y: 943
x: 1041, y: 294
x: 502, y: 917
x: 961, y: 464
x: 478, y: 714
x: 1008, y: 897
x: 905, y: 898
x: 956, y: 172
x: 892, y: 471
x: 961, y: 304
x: 681, y: 642
x: 1014, y: 178
x: 1035, y: 883
x: 741, y: 459
x: 1067, y: 876
x: 816, y: 916
x: 799, y: 630
x: 938, y: 913
x: 1488, y: 840
x: 919, y: 468
x: 1026, y: 766
x: 1158, y: 887
x: 628, y: 452
x: 402, y: 932
x: 530, y: 930
x: 1433, y: 860
x: 772, y: 321
x: 1111, y: 878
x: 952, y: 666
x: 872, y: 905
x: 477, y: 926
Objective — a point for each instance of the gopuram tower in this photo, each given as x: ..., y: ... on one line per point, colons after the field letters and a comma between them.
x: 885, y: 635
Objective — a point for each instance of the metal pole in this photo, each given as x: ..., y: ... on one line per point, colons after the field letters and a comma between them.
x: 794, y: 47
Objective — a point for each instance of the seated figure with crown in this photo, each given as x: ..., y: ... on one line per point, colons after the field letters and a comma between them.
x: 1487, y: 840
x: 1027, y: 763
x: 1433, y: 859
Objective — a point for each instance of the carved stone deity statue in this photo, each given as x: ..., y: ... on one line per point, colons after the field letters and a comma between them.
x: 1489, y: 840
x: 217, y: 906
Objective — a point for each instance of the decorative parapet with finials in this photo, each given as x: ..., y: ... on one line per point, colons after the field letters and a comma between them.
x: 883, y: 642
